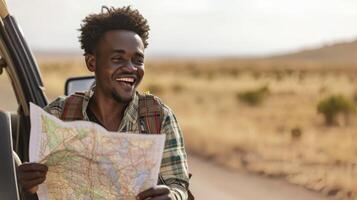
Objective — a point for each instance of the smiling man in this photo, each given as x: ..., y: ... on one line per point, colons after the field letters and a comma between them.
x: 114, y: 43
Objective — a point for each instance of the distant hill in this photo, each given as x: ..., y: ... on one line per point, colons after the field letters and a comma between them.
x: 338, y: 53
x: 53, y: 55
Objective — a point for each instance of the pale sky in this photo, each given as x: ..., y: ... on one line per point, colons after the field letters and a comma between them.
x: 199, y: 27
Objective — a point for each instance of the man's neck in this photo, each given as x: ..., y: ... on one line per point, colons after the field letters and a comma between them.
x: 107, y: 110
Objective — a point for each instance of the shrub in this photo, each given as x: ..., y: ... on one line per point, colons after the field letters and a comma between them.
x: 177, y: 88
x: 279, y: 75
x: 235, y: 72
x: 256, y: 74
x: 334, y: 105
x: 296, y: 133
x: 254, y: 97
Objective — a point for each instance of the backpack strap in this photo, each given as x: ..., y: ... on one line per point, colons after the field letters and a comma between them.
x: 72, y: 109
x: 150, y: 114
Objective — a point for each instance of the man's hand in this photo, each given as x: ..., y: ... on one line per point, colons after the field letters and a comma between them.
x: 160, y: 192
x: 30, y: 175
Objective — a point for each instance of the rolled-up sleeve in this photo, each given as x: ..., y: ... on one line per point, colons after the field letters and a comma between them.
x: 55, y: 108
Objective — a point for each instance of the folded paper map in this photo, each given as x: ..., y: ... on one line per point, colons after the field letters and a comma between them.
x: 85, y: 161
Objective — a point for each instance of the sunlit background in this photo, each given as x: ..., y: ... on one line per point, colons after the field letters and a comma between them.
x: 265, y: 91
x: 200, y: 27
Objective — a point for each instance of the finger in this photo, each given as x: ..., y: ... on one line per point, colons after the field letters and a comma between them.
x: 30, y: 184
x: 33, y: 190
x: 33, y: 167
x: 153, y: 192
x: 31, y: 175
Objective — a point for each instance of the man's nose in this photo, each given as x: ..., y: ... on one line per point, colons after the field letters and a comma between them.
x: 130, y: 67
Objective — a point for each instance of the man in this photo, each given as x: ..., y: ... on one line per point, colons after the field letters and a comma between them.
x: 114, y: 42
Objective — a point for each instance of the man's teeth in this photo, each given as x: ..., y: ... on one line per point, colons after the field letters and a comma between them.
x: 130, y: 80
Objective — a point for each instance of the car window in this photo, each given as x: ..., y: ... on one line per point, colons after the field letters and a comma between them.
x: 8, y: 100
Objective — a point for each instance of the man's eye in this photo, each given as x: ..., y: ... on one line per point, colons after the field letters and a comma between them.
x: 138, y: 60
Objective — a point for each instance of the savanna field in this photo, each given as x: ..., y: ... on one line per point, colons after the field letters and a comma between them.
x: 259, y: 116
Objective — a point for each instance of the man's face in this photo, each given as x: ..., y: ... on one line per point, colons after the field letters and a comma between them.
x: 119, y: 64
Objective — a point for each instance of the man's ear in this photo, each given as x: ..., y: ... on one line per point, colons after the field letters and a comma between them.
x: 90, y: 62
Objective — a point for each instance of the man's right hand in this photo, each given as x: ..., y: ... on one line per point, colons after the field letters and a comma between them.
x: 30, y: 175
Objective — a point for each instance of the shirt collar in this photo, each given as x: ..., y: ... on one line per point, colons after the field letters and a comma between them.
x: 130, y: 113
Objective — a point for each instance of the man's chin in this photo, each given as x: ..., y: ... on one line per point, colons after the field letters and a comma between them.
x: 123, y: 98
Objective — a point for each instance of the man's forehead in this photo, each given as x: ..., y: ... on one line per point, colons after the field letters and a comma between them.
x: 118, y: 39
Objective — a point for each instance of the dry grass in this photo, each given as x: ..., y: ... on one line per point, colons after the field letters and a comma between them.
x: 218, y: 126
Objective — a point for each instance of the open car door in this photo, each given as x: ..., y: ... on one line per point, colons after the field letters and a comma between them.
x: 23, y: 71
x: 21, y: 67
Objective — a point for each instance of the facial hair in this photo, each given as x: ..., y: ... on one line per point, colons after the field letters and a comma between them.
x: 118, y: 98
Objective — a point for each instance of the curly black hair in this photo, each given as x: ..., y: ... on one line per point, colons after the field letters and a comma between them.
x: 94, y: 26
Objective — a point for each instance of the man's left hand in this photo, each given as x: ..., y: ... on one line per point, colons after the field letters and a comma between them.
x: 160, y: 192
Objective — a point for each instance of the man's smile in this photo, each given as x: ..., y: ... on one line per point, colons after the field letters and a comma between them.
x: 127, y: 81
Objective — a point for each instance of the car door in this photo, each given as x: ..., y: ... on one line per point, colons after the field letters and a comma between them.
x: 19, y: 64
x: 24, y: 74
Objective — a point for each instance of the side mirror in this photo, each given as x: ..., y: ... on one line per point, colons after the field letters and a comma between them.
x: 77, y: 84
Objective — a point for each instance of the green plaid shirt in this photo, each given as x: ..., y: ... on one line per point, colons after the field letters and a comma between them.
x: 173, y: 170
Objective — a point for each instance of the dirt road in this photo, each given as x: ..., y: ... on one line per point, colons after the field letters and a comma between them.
x: 212, y: 182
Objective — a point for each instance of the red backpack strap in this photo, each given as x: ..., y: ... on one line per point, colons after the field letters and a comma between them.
x: 72, y: 109
x: 150, y: 114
